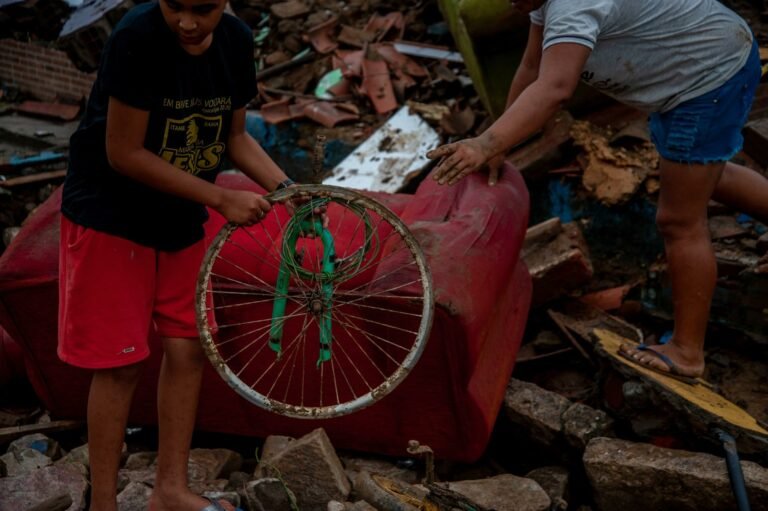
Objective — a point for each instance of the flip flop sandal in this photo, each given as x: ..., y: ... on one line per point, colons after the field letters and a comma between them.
x: 215, y: 506
x: 673, y: 372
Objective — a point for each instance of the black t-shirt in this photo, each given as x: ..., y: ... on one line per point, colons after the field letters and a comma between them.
x: 190, y: 100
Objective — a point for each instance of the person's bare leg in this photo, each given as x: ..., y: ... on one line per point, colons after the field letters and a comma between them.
x: 109, y: 401
x: 177, y: 396
x: 744, y: 190
x: 682, y: 219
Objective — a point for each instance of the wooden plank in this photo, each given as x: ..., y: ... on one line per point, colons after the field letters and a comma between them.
x: 699, y: 401
x: 33, y: 178
x: 10, y: 433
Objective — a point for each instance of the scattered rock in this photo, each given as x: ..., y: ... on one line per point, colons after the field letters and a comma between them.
x: 135, y: 497
x: 505, y: 492
x: 310, y: 467
x: 24, y: 491
x: 582, y: 423
x: 555, y: 482
x: 637, y: 477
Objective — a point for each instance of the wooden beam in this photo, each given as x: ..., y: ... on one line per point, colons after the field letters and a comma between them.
x: 10, y: 433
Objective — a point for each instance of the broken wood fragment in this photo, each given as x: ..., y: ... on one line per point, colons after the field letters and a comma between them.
x: 279, y: 68
x: 33, y: 178
x: 556, y: 132
x: 7, y: 434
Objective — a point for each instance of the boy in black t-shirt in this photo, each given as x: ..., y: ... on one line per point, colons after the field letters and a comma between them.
x: 167, y: 105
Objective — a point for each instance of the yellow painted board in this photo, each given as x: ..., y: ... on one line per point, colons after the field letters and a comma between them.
x: 699, y: 395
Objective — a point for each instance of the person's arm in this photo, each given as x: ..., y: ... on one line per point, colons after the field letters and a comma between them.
x: 126, y: 130
x: 249, y: 157
x: 527, y: 73
x: 559, y: 74
x: 528, y: 70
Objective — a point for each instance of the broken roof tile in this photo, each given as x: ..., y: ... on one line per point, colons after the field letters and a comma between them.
x: 400, y: 63
x: 377, y: 85
x: 289, y: 9
x: 383, y: 24
x: 325, y: 113
x: 321, y: 35
x: 355, y: 36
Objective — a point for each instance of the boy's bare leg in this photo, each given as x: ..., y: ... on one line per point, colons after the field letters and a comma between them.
x: 109, y: 402
x: 682, y: 220
x: 744, y: 190
x: 177, y: 396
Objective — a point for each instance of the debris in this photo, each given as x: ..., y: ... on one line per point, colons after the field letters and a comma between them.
x: 377, y: 85
x: 327, y: 114
x: 558, y: 259
x: 58, y: 111
x: 541, y: 148
x: 290, y: 9
x: 431, y: 112
x: 284, y: 66
x: 43, y: 427
x: 33, y: 178
x: 389, y: 157
x: 612, y: 174
x: 697, y: 403
x: 428, y: 51
x: 756, y: 140
x: 459, y: 121
x: 355, y: 36
x: 505, y: 492
x: 607, y: 299
x: 321, y: 35
x: 310, y: 467
x: 678, y: 479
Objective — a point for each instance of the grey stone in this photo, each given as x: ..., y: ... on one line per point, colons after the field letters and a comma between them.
x: 269, y: 494
x: 215, y: 486
x: 207, y: 464
x: 140, y: 460
x: 630, y: 476
x: 24, y: 461
x: 274, y: 444
x: 24, y: 491
x: 238, y: 480
x: 554, y: 481
x: 38, y: 442
x: 77, y: 455
x: 144, y: 476
x: 135, y: 497
x: 362, y: 505
x: 335, y: 505
x: 536, y: 410
x: 582, y: 423
x: 310, y: 467
x: 505, y: 492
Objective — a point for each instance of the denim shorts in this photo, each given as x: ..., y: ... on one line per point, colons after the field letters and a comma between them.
x: 707, y: 128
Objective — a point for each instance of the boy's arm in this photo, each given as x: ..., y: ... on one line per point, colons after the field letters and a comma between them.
x: 527, y: 73
x: 560, y: 72
x: 126, y: 130
x: 248, y: 156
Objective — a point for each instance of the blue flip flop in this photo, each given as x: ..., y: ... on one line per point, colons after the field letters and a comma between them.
x: 674, y: 371
x: 215, y: 506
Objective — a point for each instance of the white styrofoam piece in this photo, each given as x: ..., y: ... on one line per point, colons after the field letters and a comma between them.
x: 389, y: 157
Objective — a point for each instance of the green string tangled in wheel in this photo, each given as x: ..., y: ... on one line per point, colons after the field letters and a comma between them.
x: 306, y: 223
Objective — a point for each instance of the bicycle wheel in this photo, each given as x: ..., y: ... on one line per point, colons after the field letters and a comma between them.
x: 315, y: 321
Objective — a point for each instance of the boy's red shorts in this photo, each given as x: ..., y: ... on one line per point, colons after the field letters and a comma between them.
x: 113, y: 291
